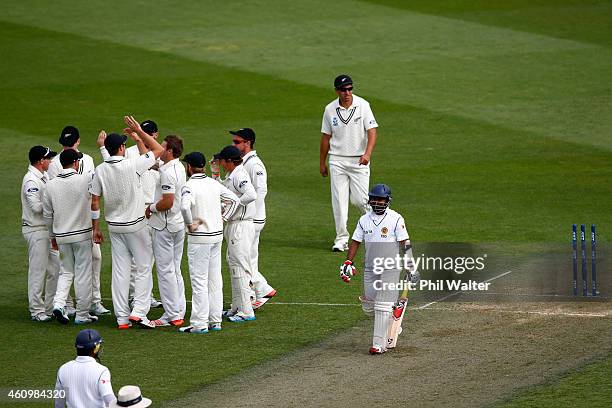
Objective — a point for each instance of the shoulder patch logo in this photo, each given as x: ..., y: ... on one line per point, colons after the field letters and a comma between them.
x: 166, y: 187
x: 32, y: 189
x: 242, y: 183
x: 260, y: 173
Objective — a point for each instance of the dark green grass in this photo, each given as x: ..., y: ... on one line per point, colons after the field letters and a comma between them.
x: 454, y: 177
x: 588, y: 387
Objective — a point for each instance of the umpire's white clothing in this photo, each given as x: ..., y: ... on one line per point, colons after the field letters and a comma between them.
x: 43, y: 261
x: 259, y: 177
x: 201, y: 199
x: 118, y: 181
x: 348, y: 129
x: 239, y: 235
x: 168, y: 237
x: 66, y: 206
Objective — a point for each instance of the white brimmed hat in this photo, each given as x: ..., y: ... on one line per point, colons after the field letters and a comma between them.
x: 130, y: 396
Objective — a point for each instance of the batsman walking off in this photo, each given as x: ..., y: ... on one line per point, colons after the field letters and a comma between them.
x: 385, y: 236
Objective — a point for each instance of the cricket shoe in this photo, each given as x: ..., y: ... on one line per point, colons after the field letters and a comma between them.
x: 87, y: 320
x: 193, y: 330
x: 70, y: 311
x: 60, y: 315
x: 167, y: 323
x: 261, y: 301
x: 142, y: 322
x: 41, y: 317
x: 98, y: 309
x: 124, y: 326
x: 341, y: 247
x: 376, y: 349
x: 156, y: 303
x: 239, y: 318
x: 214, y: 327
x: 229, y: 312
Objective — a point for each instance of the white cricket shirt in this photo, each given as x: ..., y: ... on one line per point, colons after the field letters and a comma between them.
x: 118, y: 181
x: 32, y: 191
x: 68, y: 203
x: 348, y: 128
x: 239, y: 183
x: 172, y: 177
x: 259, y: 177
x: 85, y: 381
x: 86, y: 165
x: 203, y: 196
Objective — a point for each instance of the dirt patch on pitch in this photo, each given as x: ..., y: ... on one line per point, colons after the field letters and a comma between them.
x: 459, y: 355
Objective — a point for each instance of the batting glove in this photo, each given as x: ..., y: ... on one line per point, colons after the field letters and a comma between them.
x: 347, y: 270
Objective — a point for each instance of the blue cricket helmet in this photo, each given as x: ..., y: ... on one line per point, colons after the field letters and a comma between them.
x: 87, y: 339
x: 379, y: 191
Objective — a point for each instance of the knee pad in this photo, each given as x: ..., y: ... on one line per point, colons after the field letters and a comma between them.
x: 383, y: 306
x: 367, y: 305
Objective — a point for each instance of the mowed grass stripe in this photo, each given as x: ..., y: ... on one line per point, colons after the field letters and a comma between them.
x: 533, y: 95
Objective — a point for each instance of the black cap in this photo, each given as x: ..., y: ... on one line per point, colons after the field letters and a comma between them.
x: 149, y: 127
x: 245, y: 133
x: 228, y: 153
x: 342, y: 80
x: 69, y: 156
x: 69, y: 136
x: 40, y: 152
x: 113, y: 141
x: 195, y: 159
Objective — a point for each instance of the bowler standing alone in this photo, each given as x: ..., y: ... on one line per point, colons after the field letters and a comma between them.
x: 348, y: 136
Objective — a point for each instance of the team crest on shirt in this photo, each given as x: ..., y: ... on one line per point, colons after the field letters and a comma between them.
x: 383, y: 232
x: 335, y: 121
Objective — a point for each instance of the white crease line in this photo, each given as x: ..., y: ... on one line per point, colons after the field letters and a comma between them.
x: 425, y: 306
x: 292, y: 303
x: 569, y: 314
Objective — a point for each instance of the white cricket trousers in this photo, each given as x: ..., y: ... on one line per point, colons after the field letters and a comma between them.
x: 123, y: 248
x: 206, y: 283
x: 96, y: 266
x: 239, y: 236
x: 348, y: 180
x: 151, y: 263
x: 43, y: 272
x: 168, y: 251
x: 75, y: 262
x: 260, y: 284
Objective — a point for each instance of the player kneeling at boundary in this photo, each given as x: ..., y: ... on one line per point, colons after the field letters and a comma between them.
x: 201, y: 206
x: 385, y: 235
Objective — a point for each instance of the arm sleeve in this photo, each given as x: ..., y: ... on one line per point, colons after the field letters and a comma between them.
x: 325, y: 124
x: 47, y: 206
x: 167, y: 182
x: 33, y: 197
x: 53, y: 169
x: 232, y: 199
x: 260, y: 181
x: 401, y: 233
x: 186, y: 200
x: 104, y: 153
x: 104, y: 385
x: 358, y: 234
x: 95, y: 187
x: 245, y: 187
x: 59, y: 402
x: 369, y: 122
x: 144, y: 162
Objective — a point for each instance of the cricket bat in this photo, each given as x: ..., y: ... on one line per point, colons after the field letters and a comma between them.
x: 397, y: 316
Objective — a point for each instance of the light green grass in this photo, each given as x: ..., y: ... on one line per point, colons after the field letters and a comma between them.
x: 490, y: 131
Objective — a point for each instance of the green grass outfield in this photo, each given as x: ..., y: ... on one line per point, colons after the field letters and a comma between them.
x: 494, y: 118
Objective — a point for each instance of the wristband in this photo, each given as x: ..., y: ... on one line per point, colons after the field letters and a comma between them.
x: 152, y: 208
x: 95, y: 214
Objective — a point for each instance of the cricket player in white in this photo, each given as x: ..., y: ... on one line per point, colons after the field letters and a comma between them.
x: 43, y: 260
x: 239, y: 234
x: 118, y: 180
x: 70, y: 139
x: 385, y: 235
x: 66, y: 207
x: 169, y: 233
x: 348, y: 136
x: 84, y: 382
x: 201, y: 206
x: 244, y: 140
